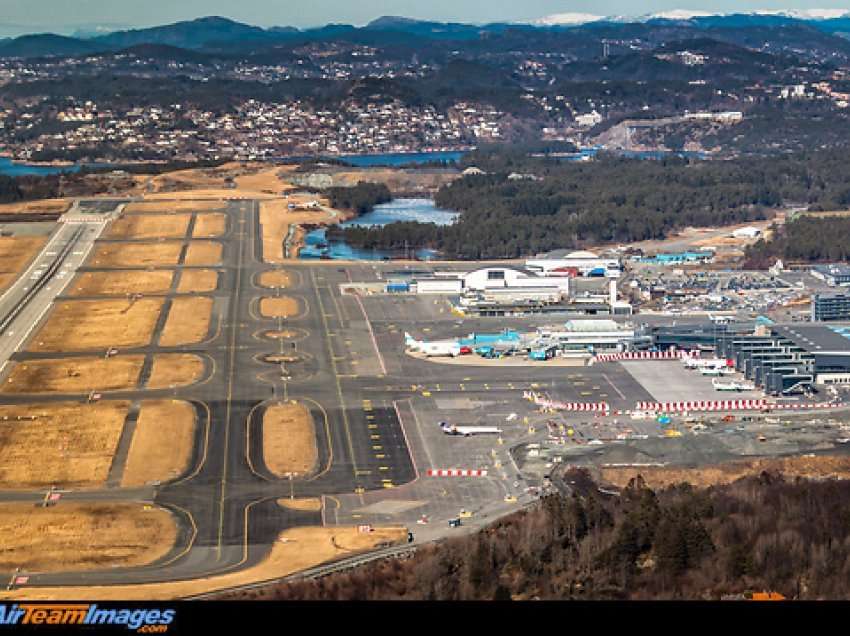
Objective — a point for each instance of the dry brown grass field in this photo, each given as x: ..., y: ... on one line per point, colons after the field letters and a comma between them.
x: 80, y: 325
x: 162, y: 442
x: 289, y: 439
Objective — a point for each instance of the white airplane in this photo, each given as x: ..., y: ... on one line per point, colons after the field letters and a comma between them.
x: 717, y: 371
x: 719, y: 320
x: 466, y: 431
x: 432, y: 349
x: 734, y: 385
x: 411, y: 343
x: 704, y: 363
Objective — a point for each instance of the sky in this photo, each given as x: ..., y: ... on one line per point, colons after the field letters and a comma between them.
x: 63, y: 16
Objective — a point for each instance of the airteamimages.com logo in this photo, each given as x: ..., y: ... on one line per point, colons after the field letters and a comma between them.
x: 143, y: 621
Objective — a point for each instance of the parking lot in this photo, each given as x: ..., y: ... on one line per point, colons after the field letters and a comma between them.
x: 671, y: 382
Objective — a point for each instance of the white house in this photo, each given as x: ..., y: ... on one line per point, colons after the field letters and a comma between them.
x: 748, y: 232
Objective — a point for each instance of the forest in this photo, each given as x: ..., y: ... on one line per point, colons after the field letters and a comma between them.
x: 807, y: 238
x: 361, y: 198
x: 524, y: 205
x: 761, y: 533
x: 13, y: 189
x: 85, y: 182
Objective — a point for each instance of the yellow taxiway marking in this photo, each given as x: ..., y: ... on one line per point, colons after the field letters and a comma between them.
x: 373, y: 426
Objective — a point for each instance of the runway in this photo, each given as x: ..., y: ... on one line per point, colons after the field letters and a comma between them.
x: 375, y: 411
x: 226, y: 501
x: 27, y: 300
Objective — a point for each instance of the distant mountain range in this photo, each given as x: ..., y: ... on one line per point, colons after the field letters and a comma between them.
x: 824, y: 29
x: 813, y: 15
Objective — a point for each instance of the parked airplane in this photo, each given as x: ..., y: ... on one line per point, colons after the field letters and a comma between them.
x: 433, y: 349
x: 704, y: 363
x: 719, y: 320
x: 717, y: 371
x: 734, y: 385
x: 466, y: 431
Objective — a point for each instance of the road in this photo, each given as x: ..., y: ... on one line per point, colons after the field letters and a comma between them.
x: 26, y: 302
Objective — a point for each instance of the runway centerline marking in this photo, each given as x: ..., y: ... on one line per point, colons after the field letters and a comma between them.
x: 336, y: 374
x: 231, y: 375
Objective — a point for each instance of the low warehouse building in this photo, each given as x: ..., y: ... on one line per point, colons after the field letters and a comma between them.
x: 444, y: 285
x: 593, y: 336
x: 834, y: 275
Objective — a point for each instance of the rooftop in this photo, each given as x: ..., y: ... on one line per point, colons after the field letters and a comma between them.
x: 833, y: 269
x: 597, y: 325
x: 816, y: 338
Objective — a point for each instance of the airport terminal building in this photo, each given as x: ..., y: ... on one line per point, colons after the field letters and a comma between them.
x: 791, y: 358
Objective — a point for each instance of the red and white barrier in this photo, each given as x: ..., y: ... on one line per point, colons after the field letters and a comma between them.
x: 645, y: 355
x: 794, y: 406
x: 703, y: 405
x: 583, y: 407
x: 732, y: 405
x: 456, y: 472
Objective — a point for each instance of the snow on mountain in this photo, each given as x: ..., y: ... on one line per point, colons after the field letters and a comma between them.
x: 679, y: 14
x: 568, y: 18
x: 689, y: 14
x: 808, y: 14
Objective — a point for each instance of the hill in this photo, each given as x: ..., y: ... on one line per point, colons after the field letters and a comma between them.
x: 194, y: 34
x: 46, y: 45
x: 761, y: 533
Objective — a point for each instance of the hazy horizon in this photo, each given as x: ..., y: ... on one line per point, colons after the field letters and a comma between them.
x: 59, y: 16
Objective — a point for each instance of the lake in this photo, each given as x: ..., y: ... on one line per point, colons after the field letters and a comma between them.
x: 422, y: 210
x: 16, y: 169
x: 11, y: 168
x: 401, y: 158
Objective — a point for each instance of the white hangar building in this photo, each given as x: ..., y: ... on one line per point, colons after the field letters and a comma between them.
x: 493, y: 279
x: 580, y: 262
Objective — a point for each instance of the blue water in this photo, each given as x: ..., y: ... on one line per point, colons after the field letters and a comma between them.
x: 401, y: 158
x: 11, y: 168
x: 422, y: 210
